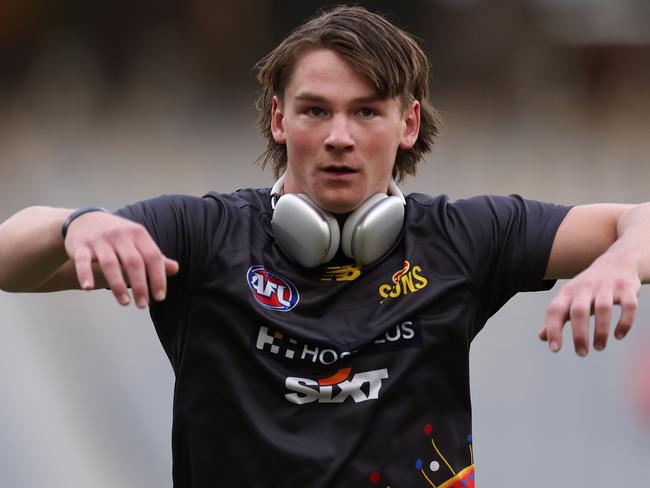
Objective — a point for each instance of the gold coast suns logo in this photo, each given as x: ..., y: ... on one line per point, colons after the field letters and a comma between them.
x: 407, y: 280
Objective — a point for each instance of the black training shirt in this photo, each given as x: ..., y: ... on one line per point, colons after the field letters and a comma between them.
x: 336, y: 376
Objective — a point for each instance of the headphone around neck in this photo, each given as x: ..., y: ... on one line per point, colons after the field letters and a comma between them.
x: 311, y: 236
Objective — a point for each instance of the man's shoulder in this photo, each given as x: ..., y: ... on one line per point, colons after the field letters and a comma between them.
x: 474, y: 202
x: 424, y: 200
x: 210, y: 206
x: 444, y: 202
x: 480, y: 211
x: 256, y: 198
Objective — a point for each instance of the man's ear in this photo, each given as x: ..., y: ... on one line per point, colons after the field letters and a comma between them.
x: 411, y: 125
x: 277, y: 122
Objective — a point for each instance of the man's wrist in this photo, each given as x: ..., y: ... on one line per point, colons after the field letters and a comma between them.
x: 76, y: 214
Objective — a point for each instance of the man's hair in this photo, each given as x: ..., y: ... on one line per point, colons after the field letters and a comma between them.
x: 388, y: 57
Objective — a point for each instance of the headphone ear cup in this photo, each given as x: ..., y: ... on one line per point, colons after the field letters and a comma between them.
x: 371, y: 230
x: 305, y: 233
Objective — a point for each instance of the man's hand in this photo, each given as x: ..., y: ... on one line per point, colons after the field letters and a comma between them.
x: 595, y: 291
x: 124, y: 252
x: 607, y: 248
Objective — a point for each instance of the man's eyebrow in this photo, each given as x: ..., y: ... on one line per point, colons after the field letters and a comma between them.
x: 312, y: 97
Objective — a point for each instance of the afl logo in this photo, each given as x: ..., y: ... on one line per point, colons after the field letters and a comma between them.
x: 271, y: 290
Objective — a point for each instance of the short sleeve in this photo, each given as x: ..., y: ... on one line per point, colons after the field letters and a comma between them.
x: 185, y: 229
x: 506, y: 242
x: 182, y: 227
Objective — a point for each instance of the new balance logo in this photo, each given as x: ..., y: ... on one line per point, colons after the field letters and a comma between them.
x: 348, y: 272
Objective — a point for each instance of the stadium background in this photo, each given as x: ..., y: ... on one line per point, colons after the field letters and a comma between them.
x: 109, y: 102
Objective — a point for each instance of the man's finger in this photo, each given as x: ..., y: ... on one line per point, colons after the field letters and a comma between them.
x: 542, y: 334
x: 134, y: 267
x: 629, y: 304
x: 579, y: 314
x: 110, y: 268
x: 556, y: 315
x: 171, y: 267
x: 154, y: 263
x: 83, y: 266
x: 603, y: 316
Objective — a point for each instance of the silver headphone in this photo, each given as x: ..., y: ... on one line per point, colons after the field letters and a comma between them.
x: 311, y: 236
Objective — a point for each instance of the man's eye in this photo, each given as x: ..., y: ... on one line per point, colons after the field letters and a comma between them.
x: 366, y: 113
x: 315, y: 111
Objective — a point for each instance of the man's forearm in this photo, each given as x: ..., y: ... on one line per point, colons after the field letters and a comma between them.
x: 31, y: 247
x: 633, y: 244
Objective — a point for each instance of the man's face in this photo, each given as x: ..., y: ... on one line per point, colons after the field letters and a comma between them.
x: 341, y: 137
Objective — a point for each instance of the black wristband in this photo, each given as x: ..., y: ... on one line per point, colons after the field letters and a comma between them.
x: 78, y: 213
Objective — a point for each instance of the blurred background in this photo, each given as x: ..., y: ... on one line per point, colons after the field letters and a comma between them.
x: 109, y: 102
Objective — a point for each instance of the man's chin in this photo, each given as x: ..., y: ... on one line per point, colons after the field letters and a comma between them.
x: 338, y: 207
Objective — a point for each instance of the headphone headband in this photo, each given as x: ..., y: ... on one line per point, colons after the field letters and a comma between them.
x: 276, y: 190
x: 311, y: 236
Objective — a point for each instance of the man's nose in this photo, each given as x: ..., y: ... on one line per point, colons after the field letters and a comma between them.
x: 339, y: 137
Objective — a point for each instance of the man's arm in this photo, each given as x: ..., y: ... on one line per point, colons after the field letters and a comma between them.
x: 100, y: 250
x: 606, y: 250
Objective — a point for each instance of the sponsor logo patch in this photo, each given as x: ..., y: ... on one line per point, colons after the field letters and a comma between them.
x: 276, y: 344
x: 271, y: 290
x: 407, y: 280
x: 336, y: 388
x: 349, y: 272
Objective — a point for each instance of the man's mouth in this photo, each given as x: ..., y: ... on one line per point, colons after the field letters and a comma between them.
x: 339, y: 169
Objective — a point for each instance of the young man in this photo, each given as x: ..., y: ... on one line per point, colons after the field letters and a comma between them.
x: 319, y: 331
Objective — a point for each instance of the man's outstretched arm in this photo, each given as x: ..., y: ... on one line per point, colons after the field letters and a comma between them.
x: 605, y: 249
x: 100, y: 250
